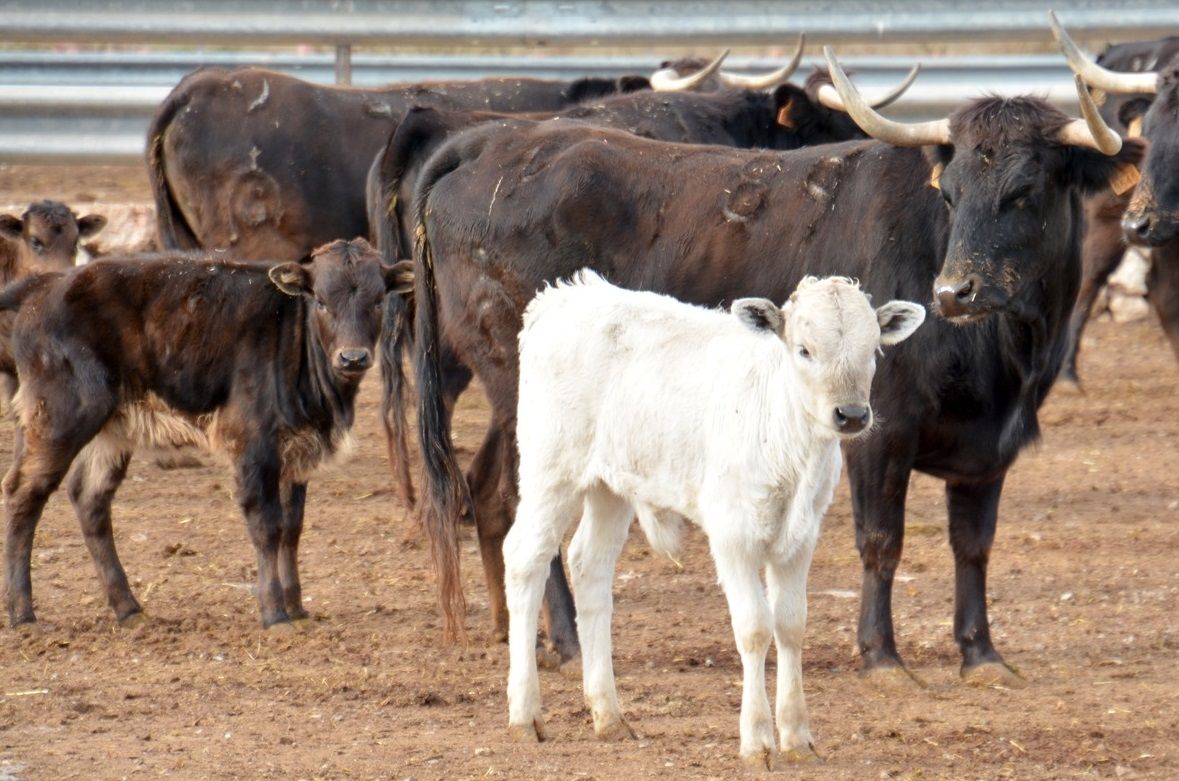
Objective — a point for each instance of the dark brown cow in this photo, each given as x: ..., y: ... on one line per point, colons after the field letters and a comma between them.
x: 270, y: 166
x: 785, y: 117
x: 999, y: 247
x: 260, y: 362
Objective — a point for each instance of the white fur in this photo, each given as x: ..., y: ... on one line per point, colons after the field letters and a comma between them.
x: 636, y: 404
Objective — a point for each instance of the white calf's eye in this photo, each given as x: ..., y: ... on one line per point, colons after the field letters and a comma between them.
x: 803, y: 352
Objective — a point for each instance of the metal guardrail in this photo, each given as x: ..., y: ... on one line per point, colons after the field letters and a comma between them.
x: 96, y: 108
x: 483, y: 23
x: 73, y: 107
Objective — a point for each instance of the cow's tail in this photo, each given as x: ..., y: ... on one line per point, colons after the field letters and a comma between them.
x: 172, y: 229
x: 15, y: 293
x: 446, y: 490
x: 418, y: 134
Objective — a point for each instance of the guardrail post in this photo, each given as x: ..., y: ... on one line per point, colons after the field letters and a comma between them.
x: 344, y: 63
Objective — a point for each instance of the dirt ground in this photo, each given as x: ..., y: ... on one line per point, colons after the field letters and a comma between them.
x: 1084, y: 600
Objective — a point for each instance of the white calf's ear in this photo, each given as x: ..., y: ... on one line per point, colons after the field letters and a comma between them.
x: 292, y: 279
x: 760, y: 314
x: 898, y: 320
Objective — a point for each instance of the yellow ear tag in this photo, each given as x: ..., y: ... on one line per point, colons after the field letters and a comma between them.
x: 784, y: 115
x: 1135, y: 128
x: 1124, y: 179
x: 935, y: 177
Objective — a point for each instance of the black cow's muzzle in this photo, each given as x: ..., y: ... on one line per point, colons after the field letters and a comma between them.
x: 967, y: 299
x: 354, y: 361
x: 1148, y: 228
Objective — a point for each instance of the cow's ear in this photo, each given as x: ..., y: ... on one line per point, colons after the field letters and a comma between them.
x: 1091, y: 171
x: 628, y: 84
x: 793, y: 110
x: 398, y: 277
x: 898, y: 320
x: 90, y: 224
x: 11, y: 227
x: 292, y: 279
x: 1130, y: 114
x: 759, y: 314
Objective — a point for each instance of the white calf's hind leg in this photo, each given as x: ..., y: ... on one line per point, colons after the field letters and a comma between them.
x: 541, y: 520
x: 787, y: 590
x: 752, y: 628
x: 592, y: 556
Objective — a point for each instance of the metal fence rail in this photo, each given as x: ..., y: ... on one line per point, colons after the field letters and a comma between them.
x: 73, y: 107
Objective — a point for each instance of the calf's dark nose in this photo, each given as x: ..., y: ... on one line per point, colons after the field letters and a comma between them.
x: 354, y: 359
x: 852, y: 418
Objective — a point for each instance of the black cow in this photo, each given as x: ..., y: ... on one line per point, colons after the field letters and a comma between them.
x: 786, y: 117
x: 999, y: 244
x: 260, y: 362
x: 1105, y: 243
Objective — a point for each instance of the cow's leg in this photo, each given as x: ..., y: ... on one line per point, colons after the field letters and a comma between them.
x: 491, y: 523
x: 27, y: 486
x: 56, y: 426
x: 1099, y: 260
x: 541, y: 521
x: 258, y: 495
x: 879, y: 474
x: 973, y: 510
x: 97, y: 474
x: 737, y: 570
x: 1163, y: 285
x: 592, y: 557
x: 294, y: 497
x: 786, y: 586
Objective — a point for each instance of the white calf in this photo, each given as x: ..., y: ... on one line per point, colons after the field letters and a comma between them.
x: 633, y: 404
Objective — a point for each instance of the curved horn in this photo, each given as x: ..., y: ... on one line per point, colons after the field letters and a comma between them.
x: 1092, y: 130
x: 666, y: 80
x: 1146, y: 83
x: 830, y: 98
x: 896, y: 133
x: 770, y: 79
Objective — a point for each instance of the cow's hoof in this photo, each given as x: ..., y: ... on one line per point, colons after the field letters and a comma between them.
x: 532, y: 732
x: 759, y: 760
x: 28, y: 628
x: 547, y: 659
x: 994, y: 674
x: 302, y: 623
x: 892, y: 677
x: 571, y: 668
x: 133, y: 620
x: 614, y: 730
x: 800, y: 755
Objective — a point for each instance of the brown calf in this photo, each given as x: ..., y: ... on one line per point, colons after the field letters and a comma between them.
x: 259, y: 362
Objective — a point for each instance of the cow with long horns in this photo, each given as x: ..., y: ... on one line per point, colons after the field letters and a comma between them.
x: 1151, y: 217
x: 996, y: 241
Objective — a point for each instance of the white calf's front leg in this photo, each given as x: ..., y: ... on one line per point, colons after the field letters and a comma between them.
x: 786, y: 583
x: 737, y: 570
x: 592, y: 557
x: 530, y: 545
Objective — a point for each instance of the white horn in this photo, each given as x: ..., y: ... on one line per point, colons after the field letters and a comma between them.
x: 770, y: 79
x: 1096, y: 76
x: 830, y: 98
x: 1091, y: 131
x: 896, y: 133
x: 666, y: 80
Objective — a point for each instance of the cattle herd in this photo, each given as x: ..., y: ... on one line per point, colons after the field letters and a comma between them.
x: 676, y: 291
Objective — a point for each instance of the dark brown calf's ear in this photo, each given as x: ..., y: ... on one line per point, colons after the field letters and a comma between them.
x: 292, y: 279
x: 11, y: 227
x: 760, y: 314
x: 90, y: 224
x: 398, y: 277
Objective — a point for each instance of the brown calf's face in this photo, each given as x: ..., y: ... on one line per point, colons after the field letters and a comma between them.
x: 345, y: 285
x: 47, y: 234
